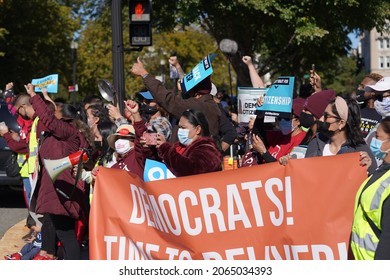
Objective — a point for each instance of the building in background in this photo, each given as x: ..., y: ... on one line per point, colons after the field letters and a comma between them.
x: 375, y: 52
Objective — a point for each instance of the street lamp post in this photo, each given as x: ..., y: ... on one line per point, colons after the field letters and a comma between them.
x: 74, y: 45
x: 162, y: 65
x: 229, y: 48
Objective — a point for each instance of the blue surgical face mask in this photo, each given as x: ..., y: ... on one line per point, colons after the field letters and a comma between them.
x: 182, y: 134
x: 285, y: 126
x: 375, y: 147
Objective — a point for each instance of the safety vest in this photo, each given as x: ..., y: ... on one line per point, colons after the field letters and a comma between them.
x: 33, y: 147
x: 23, y: 164
x: 363, y: 240
x: 91, y: 185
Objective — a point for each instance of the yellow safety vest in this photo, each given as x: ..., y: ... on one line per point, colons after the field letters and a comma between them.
x: 23, y: 164
x: 363, y: 240
x: 33, y: 147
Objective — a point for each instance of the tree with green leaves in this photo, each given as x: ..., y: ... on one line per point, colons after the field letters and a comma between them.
x: 284, y: 36
x: 35, y: 41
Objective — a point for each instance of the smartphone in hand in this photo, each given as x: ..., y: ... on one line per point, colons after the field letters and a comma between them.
x: 150, y: 138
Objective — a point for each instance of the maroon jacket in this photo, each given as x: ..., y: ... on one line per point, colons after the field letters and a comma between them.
x: 62, y: 140
x: 201, y: 156
x: 134, y: 161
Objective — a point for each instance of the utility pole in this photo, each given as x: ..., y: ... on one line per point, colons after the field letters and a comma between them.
x: 74, y: 46
x: 140, y: 36
x: 117, y: 52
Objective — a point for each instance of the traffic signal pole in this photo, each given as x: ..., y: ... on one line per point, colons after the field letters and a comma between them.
x: 117, y: 52
x: 140, y: 36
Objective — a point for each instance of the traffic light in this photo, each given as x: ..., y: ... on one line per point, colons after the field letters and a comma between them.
x: 140, y: 13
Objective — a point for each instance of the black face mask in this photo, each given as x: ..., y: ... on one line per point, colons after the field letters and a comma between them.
x: 360, y: 95
x: 306, y: 119
x: 148, y: 110
x: 24, y: 117
x: 323, y: 128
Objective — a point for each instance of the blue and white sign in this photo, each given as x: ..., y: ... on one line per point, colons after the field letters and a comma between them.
x: 155, y: 170
x: 201, y: 71
x: 49, y: 82
x: 279, y: 97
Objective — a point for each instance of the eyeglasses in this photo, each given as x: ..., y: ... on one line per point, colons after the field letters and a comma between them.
x: 326, y: 116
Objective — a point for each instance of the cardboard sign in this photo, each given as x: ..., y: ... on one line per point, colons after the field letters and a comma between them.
x: 279, y: 97
x: 201, y: 71
x: 49, y: 82
x: 247, y: 98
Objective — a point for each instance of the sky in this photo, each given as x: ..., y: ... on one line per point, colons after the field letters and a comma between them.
x: 354, y: 39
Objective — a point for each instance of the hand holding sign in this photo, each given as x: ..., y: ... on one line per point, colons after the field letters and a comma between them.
x: 278, y: 101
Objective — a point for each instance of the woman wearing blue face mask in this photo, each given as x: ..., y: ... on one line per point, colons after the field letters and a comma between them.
x: 195, y: 152
x: 370, y: 238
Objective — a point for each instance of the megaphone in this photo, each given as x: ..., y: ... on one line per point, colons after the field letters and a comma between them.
x: 55, y: 167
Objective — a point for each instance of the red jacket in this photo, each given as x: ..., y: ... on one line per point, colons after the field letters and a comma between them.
x: 201, y: 156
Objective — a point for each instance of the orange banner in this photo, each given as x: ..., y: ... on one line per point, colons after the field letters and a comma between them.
x: 300, y: 211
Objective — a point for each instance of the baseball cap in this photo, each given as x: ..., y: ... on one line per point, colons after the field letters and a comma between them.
x: 147, y: 95
x: 382, y: 85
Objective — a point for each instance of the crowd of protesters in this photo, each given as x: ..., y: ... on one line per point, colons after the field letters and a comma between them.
x: 190, y: 132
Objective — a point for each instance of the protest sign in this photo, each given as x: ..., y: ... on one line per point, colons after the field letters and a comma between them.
x: 278, y: 100
x: 155, y: 170
x: 201, y: 71
x: 266, y: 212
x: 247, y: 98
x: 49, y: 82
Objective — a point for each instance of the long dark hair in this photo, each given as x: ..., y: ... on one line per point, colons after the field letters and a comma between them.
x: 196, y: 118
x: 106, y: 129
x: 352, y: 127
x: 385, y: 123
x: 75, y: 116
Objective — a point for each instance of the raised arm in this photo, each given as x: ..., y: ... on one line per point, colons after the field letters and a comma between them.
x: 175, y: 63
x: 256, y: 80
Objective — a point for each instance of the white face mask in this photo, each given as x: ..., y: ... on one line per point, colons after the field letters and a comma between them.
x: 122, y: 146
